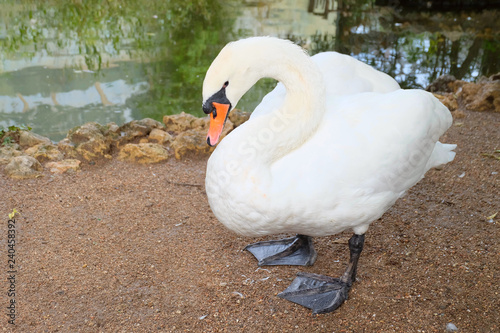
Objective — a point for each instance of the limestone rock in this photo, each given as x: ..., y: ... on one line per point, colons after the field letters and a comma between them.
x: 9, y: 151
x: 456, y: 86
x: 68, y: 165
x: 113, y: 127
x: 160, y: 136
x: 443, y: 84
x: 86, y: 132
x: 194, y: 141
x: 131, y: 130
x: 93, y: 149
x: 67, y: 148
x: 143, y: 153
x: 191, y: 142
x: 44, y: 152
x: 149, y: 123
x: 23, y: 167
x: 139, y: 128
x: 481, y: 96
x: 182, y: 122
x: 449, y: 100
x: 29, y: 139
x: 111, y: 131
x: 238, y: 117
x: 90, y: 141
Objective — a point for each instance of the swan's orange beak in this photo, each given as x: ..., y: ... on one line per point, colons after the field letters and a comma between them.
x: 217, y: 122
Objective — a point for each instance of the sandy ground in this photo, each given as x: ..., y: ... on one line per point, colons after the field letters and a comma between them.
x: 120, y: 247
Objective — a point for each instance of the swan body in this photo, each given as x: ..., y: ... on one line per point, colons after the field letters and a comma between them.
x: 331, y: 148
x: 349, y: 159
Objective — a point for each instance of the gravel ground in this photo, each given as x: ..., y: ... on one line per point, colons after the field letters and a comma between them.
x: 120, y: 247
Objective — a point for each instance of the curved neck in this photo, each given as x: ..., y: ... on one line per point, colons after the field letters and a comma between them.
x: 292, y: 122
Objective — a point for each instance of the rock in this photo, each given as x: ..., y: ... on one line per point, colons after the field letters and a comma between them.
x: 29, y: 139
x: 138, y: 128
x: 149, y: 123
x: 67, y: 148
x: 68, y: 165
x: 22, y: 167
x: 111, y: 131
x: 9, y: 151
x: 143, y: 153
x: 495, y: 77
x: 90, y: 141
x: 455, y: 86
x: 442, y: 84
x: 44, y: 152
x: 160, y: 136
x: 86, y: 132
x: 93, y: 149
x: 191, y: 142
x: 134, y: 130
x: 182, y: 122
x: 238, y: 117
x: 481, y: 96
x: 450, y: 327
x: 194, y: 141
x: 113, y: 127
x: 448, y: 100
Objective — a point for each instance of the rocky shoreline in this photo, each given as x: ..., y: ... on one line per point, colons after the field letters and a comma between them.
x: 483, y: 95
x: 28, y: 155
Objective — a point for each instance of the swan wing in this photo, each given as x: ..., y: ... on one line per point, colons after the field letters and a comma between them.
x: 368, y: 151
x: 342, y: 74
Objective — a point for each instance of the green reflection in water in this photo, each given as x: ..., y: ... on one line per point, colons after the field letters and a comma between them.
x: 67, y: 62
x: 165, y: 45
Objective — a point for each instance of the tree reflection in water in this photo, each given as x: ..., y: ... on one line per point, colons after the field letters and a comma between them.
x: 415, y: 47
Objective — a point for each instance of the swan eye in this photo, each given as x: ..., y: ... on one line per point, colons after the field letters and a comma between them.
x: 225, y: 84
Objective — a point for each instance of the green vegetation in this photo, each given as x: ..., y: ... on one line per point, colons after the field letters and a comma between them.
x: 6, y: 133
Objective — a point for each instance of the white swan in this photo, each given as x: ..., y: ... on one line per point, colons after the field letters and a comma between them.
x: 330, y: 149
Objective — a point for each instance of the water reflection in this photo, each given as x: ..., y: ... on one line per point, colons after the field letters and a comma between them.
x: 63, y: 63
x: 414, y: 47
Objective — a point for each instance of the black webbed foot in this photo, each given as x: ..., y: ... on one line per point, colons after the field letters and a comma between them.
x: 297, y: 250
x: 321, y: 293
x: 317, y: 292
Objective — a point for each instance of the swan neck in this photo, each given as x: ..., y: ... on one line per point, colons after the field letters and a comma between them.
x: 302, y: 110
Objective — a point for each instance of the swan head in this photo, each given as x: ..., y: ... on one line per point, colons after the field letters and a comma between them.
x: 234, y: 71
x: 218, y: 107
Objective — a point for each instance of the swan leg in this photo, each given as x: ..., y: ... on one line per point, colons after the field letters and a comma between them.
x: 298, y: 250
x: 321, y: 293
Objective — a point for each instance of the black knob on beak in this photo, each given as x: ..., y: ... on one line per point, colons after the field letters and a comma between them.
x: 208, y: 107
x: 218, y: 97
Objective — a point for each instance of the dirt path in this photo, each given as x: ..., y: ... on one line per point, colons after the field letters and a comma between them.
x: 120, y: 247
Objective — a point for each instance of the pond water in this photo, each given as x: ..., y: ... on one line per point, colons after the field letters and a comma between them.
x: 63, y: 63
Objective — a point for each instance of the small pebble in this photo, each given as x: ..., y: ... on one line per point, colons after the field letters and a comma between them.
x: 450, y: 327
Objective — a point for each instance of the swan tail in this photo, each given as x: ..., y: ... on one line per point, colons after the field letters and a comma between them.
x: 443, y: 153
